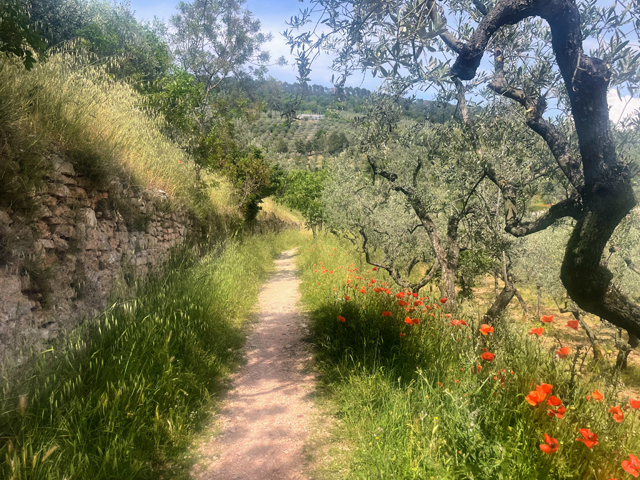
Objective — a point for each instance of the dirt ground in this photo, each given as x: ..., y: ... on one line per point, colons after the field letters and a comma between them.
x: 266, y: 417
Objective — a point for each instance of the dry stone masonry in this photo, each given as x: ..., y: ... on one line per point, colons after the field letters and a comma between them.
x: 83, y: 244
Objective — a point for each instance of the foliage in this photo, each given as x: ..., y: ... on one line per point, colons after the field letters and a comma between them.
x: 302, y: 191
x: 413, y: 403
x: 214, y: 39
x: 534, y: 66
x: 17, y: 37
x: 122, y: 397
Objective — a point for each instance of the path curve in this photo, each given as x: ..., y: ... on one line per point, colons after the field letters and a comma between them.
x: 266, y: 416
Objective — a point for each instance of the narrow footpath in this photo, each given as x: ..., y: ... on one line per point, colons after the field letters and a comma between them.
x: 265, y: 418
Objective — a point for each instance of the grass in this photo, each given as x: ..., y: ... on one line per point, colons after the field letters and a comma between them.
x: 417, y: 406
x: 122, y: 396
x: 70, y: 107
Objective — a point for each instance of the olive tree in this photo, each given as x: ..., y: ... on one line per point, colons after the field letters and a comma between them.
x: 536, y: 47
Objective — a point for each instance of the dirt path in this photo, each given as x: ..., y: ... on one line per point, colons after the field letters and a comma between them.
x: 265, y: 418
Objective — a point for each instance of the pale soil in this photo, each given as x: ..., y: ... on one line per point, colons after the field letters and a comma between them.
x: 266, y: 417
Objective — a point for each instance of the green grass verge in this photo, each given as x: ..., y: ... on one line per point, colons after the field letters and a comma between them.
x: 412, y: 403
x: 121, y: 398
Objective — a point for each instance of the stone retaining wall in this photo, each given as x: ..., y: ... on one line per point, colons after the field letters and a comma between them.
x: 63, y: 263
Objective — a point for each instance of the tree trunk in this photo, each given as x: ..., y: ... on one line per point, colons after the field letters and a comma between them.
x: 313, y: 230
x: 496, y: 286
x: 448, y: 287
x: 499, y: 304
x: 523, y: 304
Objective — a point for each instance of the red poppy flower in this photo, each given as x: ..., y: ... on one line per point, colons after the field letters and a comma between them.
x: 417, y: 303
x: 553, y: 401
x: 455, y: 322
x: 634, y: 403
x: 399, y: 295
x: 415, y: 295
x: 486, y: 329
x: 573, y: 324
x: 632, y: 466
x: 416, y: 321
x: 536, y: 331
x: 478, y: 368
x: 589, y: 439
x: 341, y: 319
x: 563, y: 352
x: 363, y: 290
x: 547, y: 319
x: 374, y: 269
x: 373, y: 280
x: 408, y: 321
x: 539, y: 394
x: 487, y: 356
x: 550, y: 446
x: 443, y: 300
x: 558, y: 413
x: 618, y: 416
x: 386, y: 314
x: 596, y: 395
x: 402, y: 334
x: 347, y: 298
x: 462, y: 322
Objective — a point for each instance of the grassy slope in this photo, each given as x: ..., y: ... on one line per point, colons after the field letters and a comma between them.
x: 416, y: 407
x: 122, y: 397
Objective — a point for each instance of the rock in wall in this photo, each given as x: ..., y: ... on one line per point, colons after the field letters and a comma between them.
x: 62, y: 263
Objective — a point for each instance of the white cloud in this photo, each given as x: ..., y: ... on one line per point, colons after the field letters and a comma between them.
x: 621, y: 107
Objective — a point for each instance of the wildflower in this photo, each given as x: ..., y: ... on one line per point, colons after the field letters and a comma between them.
x: 539, y: 394
x: 589, y: 439
x: 547, y: 319
x: 563, y: 352
x: 402, y: 303
x: 632, y: 466
x: 416, y: 321
x: 486, y: 329
x: 447, y: 315
x: 550, y: 446
x: 634, y: 403
x: 399, y: 295
x: 373, y: 280
x: 341, y: 318
x: 417, y: 303
x: 374, y: 269
x: 536, y: 331
x: 363, y: 290
x: 440, y: 384
x: 347, y: 298
x: 408, y: 321
x: 387, y: 314
x: 455, y: 322
x: 558, y: 413
x: 415, y: 295
x: 443, y: 300
x: 378, y: 289
x: 488, y: 356
x: 402, y: 335
x: 554, y: 401
x: 618, y: 416
x: 478, y: 368
x: 573, y: 324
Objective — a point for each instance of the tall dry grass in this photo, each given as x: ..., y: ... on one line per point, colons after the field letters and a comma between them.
x: 71, y: 105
